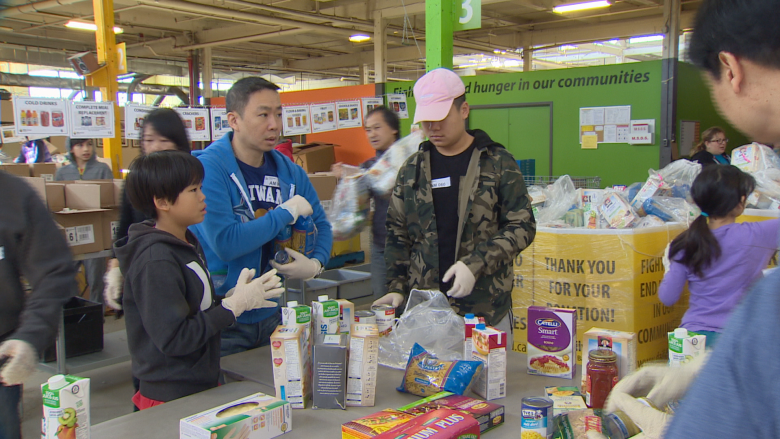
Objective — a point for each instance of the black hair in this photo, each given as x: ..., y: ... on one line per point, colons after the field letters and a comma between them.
x: 73, y: 142
x: 238, y: 95
x: 168, y: 124
x: 745, y: 28
x: 458, y: 102
x: 390, y: 117
x: 717, y: 190
x: 163, y: 175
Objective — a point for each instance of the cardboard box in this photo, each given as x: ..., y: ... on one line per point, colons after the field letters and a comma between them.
x: 324, y: 184
x: 119, y: 187
x: 44, y: 170
x: 329, y: 390
x: 363, y: 361
x: 83, y: 229
x: 552, y: 342
x: 374, y: 424
x: 314, y: 157
x: 18, y: 169
x: 6, y: 112
x: 291, y: 365
x: 82, y: 196
x: 107, y: 192
x: 565, y: 399
x: 489, y: 415
x: 110, y: 227
x: 489, y: 347
x: 438, y: 424
x: 346, y: 315
x: 55, y: 196
x: 39, y: 184
x: 263, y: 416
x: 623, y: 343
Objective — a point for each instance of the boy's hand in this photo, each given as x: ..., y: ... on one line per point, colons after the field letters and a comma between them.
x: 22, y: 358
x: 300, y: 268
x: 113, y: 291
x: 253, y: 294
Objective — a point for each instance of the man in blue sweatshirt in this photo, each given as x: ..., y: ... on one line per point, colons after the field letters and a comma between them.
x: 255, y: 193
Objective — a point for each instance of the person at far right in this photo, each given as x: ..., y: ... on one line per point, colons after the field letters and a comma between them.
x: 459, y: 213
x: 712, y: 148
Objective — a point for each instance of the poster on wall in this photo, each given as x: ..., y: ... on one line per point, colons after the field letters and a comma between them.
x: 323, y: 117
x: 195, y: 123
x: 219, y: 123
x: 349, y: 114
x: 608, y: 124
x: 295, y: 120
x: 134, y: 119
x: 91, y: 120
x: 397, y: 103
x: 40, y: 116
x: 371, y: 103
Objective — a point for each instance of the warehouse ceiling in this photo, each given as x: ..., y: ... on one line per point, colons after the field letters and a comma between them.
x: 309, y: 39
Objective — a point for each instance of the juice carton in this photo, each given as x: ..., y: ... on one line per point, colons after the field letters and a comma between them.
x: 294, y: 314
x: 330, y: 376
x: 438, y: 424
x: 565, y: 399
x: 256, y: 416
x: 490, y: 348
x: 489, y: 415
x: 471, y: 323
x: 291, y: 365
x: 684, y: 346
x: 552, y: 338
x: 65, y: 407
x: 363, y: 361
x: 624, y: 344
x: 326, y: 316
x: 373, y: 425
x: 346, y: 315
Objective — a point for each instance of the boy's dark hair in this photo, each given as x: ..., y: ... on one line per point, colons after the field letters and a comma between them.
x: 161, y: 174
x: 717, y: 190
x: 458, y: 102
x: 168, y: 124
x: 390, y: 117
x: 238, y: 95
x: 746, y: 28
x: 73, y: 142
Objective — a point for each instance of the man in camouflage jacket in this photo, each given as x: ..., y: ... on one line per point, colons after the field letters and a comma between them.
x: 494, y: 225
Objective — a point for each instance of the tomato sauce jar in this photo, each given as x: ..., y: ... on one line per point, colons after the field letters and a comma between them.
x: 602, y: 375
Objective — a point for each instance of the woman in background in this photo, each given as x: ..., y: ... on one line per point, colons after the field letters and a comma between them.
x: 712, y: 148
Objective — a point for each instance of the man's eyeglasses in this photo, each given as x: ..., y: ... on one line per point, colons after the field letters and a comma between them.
x: 720, y: 141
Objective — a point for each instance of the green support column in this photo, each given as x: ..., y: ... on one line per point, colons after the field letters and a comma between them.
x: 438, y: 34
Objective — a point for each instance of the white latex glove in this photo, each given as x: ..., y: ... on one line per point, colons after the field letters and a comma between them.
x: 463, y: 283
x: 652, y: 422
x: 297, y: 206
x: 667, y: 263
x: 301, y: 267
x: 112, y: 294
x: 22, y: 359
x: 393, y: 299
x: 253, y: 294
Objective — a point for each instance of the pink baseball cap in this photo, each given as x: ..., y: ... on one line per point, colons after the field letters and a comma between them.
x: 434, y: 93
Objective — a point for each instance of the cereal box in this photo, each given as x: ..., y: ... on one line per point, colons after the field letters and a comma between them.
x: 330, y: 376
x: 291, y: 365
x: 617, y: 212
x: 438, y: 424
x: 489, y: 347
x: 552, y: 339
x: 346, y: 315
x: 373, y: 425
x: 624, y: 344
x: 257, y: 416
x: 363, y: 361
x: 565, y: 399
x: 65, y: 407
x: 489, y: 415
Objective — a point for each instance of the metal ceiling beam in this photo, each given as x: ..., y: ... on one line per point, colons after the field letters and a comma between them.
x: 419, y: 8
x: 366, y: 25
x: 258, y: 37
x: 616, y: 51
x: 407, y: 53
x: 32, y: 8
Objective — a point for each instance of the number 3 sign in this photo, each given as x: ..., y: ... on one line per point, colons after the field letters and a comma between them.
x: 469, y: 14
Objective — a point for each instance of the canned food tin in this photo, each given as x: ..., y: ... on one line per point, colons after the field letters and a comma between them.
x: 365, y: 317
x: 385, y: 318
x: 536, y: 423
x: 620, y: 426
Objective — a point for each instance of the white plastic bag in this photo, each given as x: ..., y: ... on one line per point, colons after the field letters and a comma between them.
x: 349, y: 211
x: 382, y: 175
x: 560, y: 197
x: 428, y: 320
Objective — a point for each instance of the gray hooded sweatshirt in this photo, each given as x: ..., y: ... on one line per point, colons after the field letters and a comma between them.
x: 94, y: 170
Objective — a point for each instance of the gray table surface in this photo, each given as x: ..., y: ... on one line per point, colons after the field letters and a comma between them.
x: 254, y: 368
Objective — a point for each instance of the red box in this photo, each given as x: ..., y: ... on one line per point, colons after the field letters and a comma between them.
x: 438, y: 424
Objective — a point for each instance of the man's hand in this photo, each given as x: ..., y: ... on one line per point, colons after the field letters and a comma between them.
x: 297, y: 206
x: 22, y: 359
x: 112, y: 294
x: 463, y: 283
x: 393, y: 299
x: 301, y: 267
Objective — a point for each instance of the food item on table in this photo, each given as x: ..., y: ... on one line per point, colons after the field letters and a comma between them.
x: 489, y: 347
x: 602, y: 375
x: 425, y: 374
x: 537, y: 416
x: 684, y: 346
x: 576, y: 424
x: 374, y: 424
x: 363, y: 361
x: 65, y: 408
x: 565, y: 399
x: 552, y: 338
x: 438, y: 424
x: 489, y: 415
x: 257, y: 416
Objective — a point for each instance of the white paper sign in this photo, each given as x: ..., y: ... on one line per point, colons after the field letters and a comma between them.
x: 349, y: 114
x: 42, y: 116
x: 371, y: 103
x: 641, y: 132
x: 219, y: 123
x: 323, y: 118
x: 134, y: 119
x: 296, y: 120
x: 397, y: 103
x: 92, y: 120
x: 195, y: 123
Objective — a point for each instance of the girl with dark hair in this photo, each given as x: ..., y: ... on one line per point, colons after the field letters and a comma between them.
x: 164, y: 130
x: 712, y: 148
x: 718, y: 258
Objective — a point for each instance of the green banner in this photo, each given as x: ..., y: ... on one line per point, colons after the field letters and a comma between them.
x: 469, y: 14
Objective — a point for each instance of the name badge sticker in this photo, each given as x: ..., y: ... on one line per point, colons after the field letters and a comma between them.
x: 440, y: 183
x: 271, y: 181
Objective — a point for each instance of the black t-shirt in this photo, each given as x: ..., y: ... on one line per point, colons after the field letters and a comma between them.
x: 446, y: 172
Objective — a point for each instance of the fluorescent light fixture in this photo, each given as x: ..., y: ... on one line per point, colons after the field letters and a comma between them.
x: 359, y: 38
x: 6, y: 29
x: 89, y: 26
x: 581, y: 6
x: 647, y: 39
x: 566, y: 47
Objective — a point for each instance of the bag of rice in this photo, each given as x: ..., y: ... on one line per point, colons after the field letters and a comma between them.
x: 426, y: 375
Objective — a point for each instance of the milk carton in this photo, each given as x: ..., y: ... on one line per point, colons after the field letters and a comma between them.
x: 346, y: 315
x: 291, y: 365
x: 471, y: 323
x: 624, y: 344
x: 65, y: 407
x: 294, y: 314
x: 256, y: 416
x: 489, y: 347
x: 326, y: 316
x: 552, y: 341
x: 684, y: 346
x: 363, y: 361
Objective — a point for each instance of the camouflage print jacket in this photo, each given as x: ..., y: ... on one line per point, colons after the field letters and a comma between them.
x: 499, y: 225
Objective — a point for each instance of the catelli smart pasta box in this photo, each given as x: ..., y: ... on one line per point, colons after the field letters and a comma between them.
x: 257, y: 416
x: 552, y: 338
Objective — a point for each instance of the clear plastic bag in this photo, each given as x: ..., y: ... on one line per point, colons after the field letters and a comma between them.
x: 349, y: 212
x: 382, y: 175
x: 560, y: 197
x: 671, y: 209
x: 754, y: 157
x: 429, y: 321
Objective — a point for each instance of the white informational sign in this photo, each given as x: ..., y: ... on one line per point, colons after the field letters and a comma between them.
x: 134, y: 119
x: 40, y: 116
x: 296, y: 120
x: 642, y: 132
x: 397, y: 103
x: 219, y: 123
x: 371, y: 103
x: 92, y: 120
x: 323, y: 118
x: 349, y: 114
x: 195, y: 123
x: 608, y: 124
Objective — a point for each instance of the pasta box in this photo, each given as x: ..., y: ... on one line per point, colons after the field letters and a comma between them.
x: 438, y: 424
x: 256, y: 416
x: 489, y: 415
x: 552, y: 341
x: 373, y: 425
